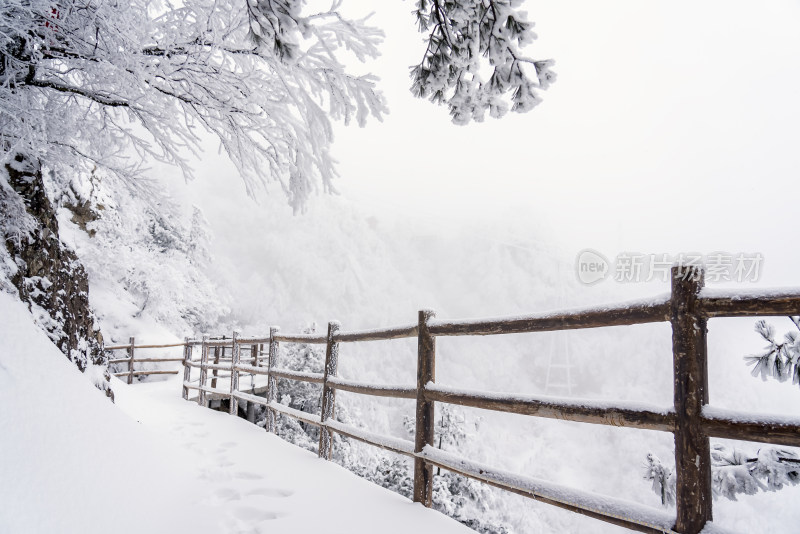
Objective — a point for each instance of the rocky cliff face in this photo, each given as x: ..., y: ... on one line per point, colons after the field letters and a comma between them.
x: 48, y: 275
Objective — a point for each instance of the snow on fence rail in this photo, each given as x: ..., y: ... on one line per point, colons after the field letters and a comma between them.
x: 131, y: 359
x: 687, y: 308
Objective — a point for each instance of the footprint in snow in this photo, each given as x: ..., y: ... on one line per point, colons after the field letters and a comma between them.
x: 246, y: 475
x: 227, y: 494
x: 269, y: 492
x: 251, y: 514
x: 249, y: 520
x: 214, y: 475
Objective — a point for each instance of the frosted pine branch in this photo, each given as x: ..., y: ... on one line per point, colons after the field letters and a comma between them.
x: 474, y: 58
x: 663, y: 479
x: 780, y: 361
x: 732, y: 472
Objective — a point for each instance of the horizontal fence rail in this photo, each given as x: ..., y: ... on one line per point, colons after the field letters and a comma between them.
x: 713, y: 303
x: 633, y: 415
x: 377, y: 390
x: 620, y: 315
x: 384, y: 334
x: 131, y: 359
x: 692, y: 422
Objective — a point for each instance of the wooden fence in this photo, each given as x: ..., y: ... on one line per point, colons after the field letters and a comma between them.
x: 131, y: 359
x: 692, y: 422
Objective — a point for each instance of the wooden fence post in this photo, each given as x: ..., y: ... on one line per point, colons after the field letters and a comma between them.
x: 690, y: 375
x: 251, y: 407
x: 272, y: 384
x: 201, y: 396
x: 215, y: 372
x: 130, y: 361
x: 328, y: 393
x: 235, y: 354
x: 424, y: 435
x: 187, y: 369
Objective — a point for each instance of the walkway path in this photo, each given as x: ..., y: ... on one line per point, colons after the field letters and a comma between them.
x: 260, y: 483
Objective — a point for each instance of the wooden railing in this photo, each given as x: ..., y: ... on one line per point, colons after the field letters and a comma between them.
x: 131, y: 359
x: 687, y: 309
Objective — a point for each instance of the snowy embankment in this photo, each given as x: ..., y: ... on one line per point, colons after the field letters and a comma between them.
x: 73, y: 462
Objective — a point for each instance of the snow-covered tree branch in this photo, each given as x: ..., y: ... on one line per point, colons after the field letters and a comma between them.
x: 733, y: 472
x: 469, y: 41
x: 84, y: 81
x: 780, y: 361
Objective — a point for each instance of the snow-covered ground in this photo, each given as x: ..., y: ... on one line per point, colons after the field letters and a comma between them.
x: 72, y: 462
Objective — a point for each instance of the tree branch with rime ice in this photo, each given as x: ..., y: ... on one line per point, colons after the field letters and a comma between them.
x: 105, y: 79
x: 779, y: 361
x: 264, y: 77
x: 467, y: 40
x: 733, y: 472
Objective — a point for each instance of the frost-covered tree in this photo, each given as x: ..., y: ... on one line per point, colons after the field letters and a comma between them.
x: 448, y: 428
x: 153, y: 254
x: 733, y: 472
x: 88, y: 81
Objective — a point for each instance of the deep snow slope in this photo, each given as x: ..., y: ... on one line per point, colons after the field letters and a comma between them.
x: 72, y: 462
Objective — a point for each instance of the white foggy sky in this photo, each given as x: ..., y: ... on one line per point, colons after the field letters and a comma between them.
x: 673, y: 126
